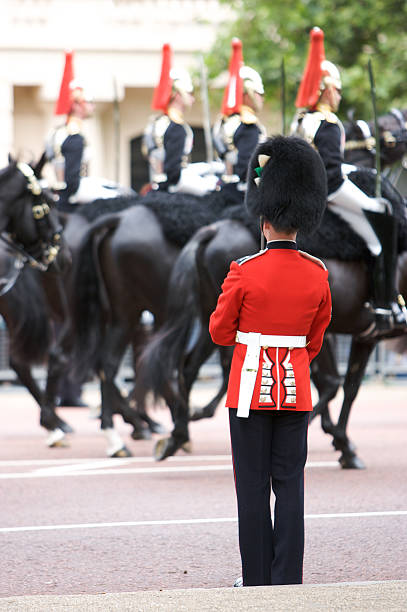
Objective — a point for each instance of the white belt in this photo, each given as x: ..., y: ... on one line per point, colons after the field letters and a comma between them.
x: 254, y: 342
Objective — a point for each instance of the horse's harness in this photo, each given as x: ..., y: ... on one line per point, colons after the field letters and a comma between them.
x: 48, y: 247
x: 390, y: 139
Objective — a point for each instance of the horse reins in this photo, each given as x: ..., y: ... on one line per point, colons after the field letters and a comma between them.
x: 390, y: 139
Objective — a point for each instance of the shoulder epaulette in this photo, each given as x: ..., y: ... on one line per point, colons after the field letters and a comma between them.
x: 247, y: 115
x: 327, y: 114
x: 244, y: 260
x: 319, y: 262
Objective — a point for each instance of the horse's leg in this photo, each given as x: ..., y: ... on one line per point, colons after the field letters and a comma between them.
x: 358, y: 358
x: 137, y: 397
x: 179, y: 438
x: 137, y: 401
x: 327, y: 381
x: 178, y: 402
x: 209, y: 410
x: 112, y: 351
x: 58, y: 360
x: 48, y: 419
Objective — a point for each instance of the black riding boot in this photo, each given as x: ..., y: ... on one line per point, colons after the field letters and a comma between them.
x: 387, y: 305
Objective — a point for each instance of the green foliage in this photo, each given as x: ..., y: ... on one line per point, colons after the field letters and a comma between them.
x: 271, y: 30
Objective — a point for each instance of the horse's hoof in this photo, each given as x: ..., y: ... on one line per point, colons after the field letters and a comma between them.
x: 187, y: 447
x: 200, y: 413
x: 196, y: 415
x: 166, y: 447
x: 351, y: 462
x: 122, y: 452
x: 141, y: 434
x: 56, y: 439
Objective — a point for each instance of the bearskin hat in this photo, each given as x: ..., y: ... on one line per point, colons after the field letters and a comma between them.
x: 287, y: 184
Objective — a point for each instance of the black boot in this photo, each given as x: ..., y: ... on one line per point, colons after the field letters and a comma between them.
x: 388, y: 307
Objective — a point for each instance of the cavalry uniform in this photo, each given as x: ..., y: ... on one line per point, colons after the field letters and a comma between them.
x: 322, y: 129
x: 167, y: 143
x: 66, y: 151
x: 235, y: 138
x: 274, y: 307
x: 168, y: 139
x: 66, y: 147
x: 318, y: 97
x: 238, y: 131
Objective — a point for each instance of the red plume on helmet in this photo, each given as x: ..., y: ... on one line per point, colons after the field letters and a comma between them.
x: 64, y: 102
x: 233, y: 96
x: 162, y: 93
x: 309, y: 90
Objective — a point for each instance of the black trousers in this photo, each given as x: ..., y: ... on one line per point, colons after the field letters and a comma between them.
x: 270, y: 450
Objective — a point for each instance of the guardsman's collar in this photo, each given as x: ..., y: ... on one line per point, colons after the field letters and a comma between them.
x: 282, y: 244
x: 323, y: 107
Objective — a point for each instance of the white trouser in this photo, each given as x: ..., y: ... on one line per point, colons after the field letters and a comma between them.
x: 349, y: 202
x: 254, y: 341
x: 196, y: 179
x: 94, y: 188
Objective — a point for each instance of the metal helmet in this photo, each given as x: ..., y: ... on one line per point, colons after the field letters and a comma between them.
x: 330, y: 76
x: 80, y: 93
x: 252, y: 82
x: 181, y: 81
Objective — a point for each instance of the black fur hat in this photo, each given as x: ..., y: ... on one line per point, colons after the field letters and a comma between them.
x: 286, y: 184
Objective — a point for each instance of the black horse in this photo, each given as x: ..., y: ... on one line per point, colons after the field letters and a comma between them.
x: 33, y: 256
x: 360, y: 147
x: 123, y: 269
x: 195, y: 286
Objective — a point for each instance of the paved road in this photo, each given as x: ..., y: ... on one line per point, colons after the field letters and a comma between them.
x: 75, y: 522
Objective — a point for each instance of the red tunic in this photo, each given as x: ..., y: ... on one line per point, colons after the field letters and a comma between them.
x: 279, y: 291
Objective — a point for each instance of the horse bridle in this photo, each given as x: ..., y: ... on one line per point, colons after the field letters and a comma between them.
x: 390, y: 139
x: 40, y: 211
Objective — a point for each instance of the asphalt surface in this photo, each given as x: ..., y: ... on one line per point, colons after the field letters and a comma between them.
x: 80, y: 531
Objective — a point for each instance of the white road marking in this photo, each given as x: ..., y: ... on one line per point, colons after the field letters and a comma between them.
x: 116, y: 472
x: 198, y: 521
x: 103, y: 467
x: 119, y: 461
x: 176, y: 459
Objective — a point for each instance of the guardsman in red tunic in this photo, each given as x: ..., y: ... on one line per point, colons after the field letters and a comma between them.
x: 275, y: 307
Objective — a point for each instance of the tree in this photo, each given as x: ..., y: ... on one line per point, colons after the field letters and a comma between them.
x: 271, y: 30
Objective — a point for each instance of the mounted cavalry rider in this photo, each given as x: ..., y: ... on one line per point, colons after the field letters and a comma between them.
x: 318, y: 99
x: 238, y: 132
x: 66, y: 147
x: 168, y: 139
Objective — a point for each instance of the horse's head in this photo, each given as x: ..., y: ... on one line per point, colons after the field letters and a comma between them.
x: 360, y: 147
x: 29, y: 223
x: 393, y: 136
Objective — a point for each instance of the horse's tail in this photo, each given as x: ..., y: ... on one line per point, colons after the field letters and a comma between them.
x: 90, y: 304
x: 25, y: 310
x: 168, y: 345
